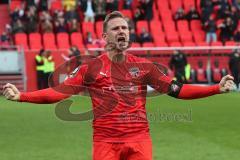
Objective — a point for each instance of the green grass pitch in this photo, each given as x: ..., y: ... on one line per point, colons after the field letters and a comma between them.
x: 210, y: 132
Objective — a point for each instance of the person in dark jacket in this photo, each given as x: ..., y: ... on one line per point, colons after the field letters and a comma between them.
x: 178, y: 63
x: 234, y: 66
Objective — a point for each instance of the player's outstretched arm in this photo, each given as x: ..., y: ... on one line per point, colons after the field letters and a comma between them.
x: 189, y: 91
x: 44, y: 96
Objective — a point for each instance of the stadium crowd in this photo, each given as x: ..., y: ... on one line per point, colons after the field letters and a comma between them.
x: 37, y: 16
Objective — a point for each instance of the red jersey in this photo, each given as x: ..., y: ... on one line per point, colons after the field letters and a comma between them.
x: 118, y: 93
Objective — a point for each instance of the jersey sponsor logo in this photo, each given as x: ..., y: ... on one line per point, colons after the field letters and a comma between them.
x: 74, y: 73
x: 134, y: 72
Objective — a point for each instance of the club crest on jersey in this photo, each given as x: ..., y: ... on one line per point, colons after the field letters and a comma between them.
x: 134, y: 72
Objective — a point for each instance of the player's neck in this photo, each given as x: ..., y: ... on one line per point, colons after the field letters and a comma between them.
x: 116, y: 56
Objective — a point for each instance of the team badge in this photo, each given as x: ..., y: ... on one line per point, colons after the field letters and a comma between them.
x: 134, y: 72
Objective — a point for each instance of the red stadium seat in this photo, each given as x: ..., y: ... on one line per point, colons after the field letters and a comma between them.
x: 216, y: 70
x: 88, y: 27
x: 56, y: 5
x: 21, y: 40
x: 199, y: 36
x: 35, y: 41
x: 162, y: 4
x: 182, y: 25
x: 166, y: 14
x: 201, y: 75
x: 175, y: 5
x: 169, y: 25
x: 148, y: 44
x: 195, y: 25
x: 14, y: 5
x: 135, y: 44
x: 99, y: 29
x: 155, y: 25
x: 218, y: 43
x: 140, y: 25
x: 172, y: 36
x: 155, y: 13
x: 175, y: 44
x: 187, y: 4
x: 49, y: 41
x: 77, y: 40
x: 230, y: 43
x: 159, y: 37
x: 127, y: 13
x: 63, y: 41
x: 202, y: 43
x: 161, y: 44
x: 186, y: 36
x: 189, y: 44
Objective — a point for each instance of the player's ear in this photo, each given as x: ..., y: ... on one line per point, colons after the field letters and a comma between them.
x: 104, y: 36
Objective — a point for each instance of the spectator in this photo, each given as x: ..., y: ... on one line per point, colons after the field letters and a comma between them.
x: 112, y: 5
x: 207, y: 10
x: 71, y: 14
x: 178, y: 63
x: 147, y: 6
x: 45, y: 16
x: 234, y: 66
x: 100, y: 7
x: 236, y: 3
x: 18, y: 27
x: 216, y: 3
x: 49, y: 66
x: 47, y: 27
x: 5, y: 39
x: 237, y: 35
x: 235, y: 16
x: 43, y: 5
x: 31, y: 20
x: 60, y: 26
x: 40, y: 68
x: 69, y: 5
x: 89, y: 10
x: 145, y: 36
x: 127, y: 4
x: 210, y: 27
x: 17, y: 14
x: 224, y: 9
x: 192, y: 14
x: 138, y: 14
x: 133, y: 37
x: 74, y: 26
x: 30, y: 3
x: 227, y: 29
x: 180, y: 14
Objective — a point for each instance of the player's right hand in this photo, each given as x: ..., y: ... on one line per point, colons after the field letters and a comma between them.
x: 11, y: 92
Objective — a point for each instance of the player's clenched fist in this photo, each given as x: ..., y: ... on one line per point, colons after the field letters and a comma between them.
x: 11, y: 92
x: 227, y: 84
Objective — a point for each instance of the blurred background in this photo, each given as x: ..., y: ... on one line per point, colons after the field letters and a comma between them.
x: 196, y: 40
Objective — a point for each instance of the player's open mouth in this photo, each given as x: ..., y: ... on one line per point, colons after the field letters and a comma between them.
x: 121, y: 39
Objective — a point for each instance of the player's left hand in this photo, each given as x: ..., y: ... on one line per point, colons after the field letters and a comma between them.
x: 226, y: 84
